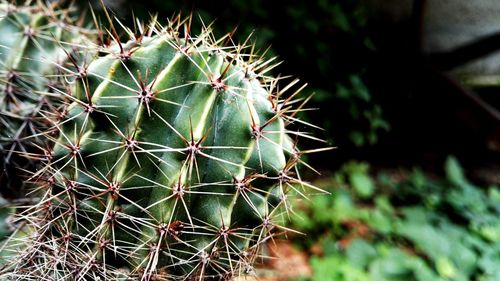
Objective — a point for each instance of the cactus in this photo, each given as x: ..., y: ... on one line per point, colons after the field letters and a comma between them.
x: 35, y: 42
x: 174, y: 162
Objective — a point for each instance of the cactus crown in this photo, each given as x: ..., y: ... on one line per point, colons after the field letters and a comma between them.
x: 174, y: 162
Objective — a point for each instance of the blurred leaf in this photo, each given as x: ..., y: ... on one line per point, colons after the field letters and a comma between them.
x: 357, y: 138
x: 445, y: 267
x: 382, y: 203
x: 417, y: 178
x: 362, y: 183
x: 494, y: 194
x: 490, y: 232
x: 339, y: 17
x: 359, y: 178
x: 392, y: 267
x: 321, y: 208
x: 379, y: 221
x: 360, y: 88
x: 342, y: 92
x: 343, y: 207
x: 360, y: 253
x: 334, y: 268
x: 454, y: 171
x: 330, y: 247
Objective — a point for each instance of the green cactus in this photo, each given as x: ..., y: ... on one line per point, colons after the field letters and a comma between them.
x: 35, y: 43
x: 173, y: 162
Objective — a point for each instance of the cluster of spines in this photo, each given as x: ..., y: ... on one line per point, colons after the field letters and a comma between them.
x: 81, y: 230
x: 34, y: 39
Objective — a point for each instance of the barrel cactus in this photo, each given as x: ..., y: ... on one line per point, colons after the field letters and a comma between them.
x: 35, y: 44
x: 174, y: 162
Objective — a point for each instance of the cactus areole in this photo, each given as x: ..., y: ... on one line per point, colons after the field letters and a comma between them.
x: 173, y: 163
x: 32, y: 49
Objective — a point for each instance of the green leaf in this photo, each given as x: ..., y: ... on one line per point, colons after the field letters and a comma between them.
x: 392, y: 267
x: 491, y: 232
x: 362, y: 184
x: 380, y: 221
x: 357, y: 138
x: 445, y: 267
x: 342, y: 92
x: 340, y: 18
x: 336, y: 268
x: 360, y: 88
x: 360, y: 253
x: 454, y: 172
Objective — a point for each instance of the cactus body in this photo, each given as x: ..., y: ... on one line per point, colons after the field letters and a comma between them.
x: 31, y: 53
x: 173, y: 163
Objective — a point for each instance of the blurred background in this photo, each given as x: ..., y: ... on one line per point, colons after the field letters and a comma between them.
x: 409, y: 93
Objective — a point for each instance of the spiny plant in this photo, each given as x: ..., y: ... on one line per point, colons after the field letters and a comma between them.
x: 174, y: 162
x: 35, y: 43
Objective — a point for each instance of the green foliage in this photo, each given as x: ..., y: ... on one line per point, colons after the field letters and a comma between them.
x: 368, y: 116
x: 415, y: 228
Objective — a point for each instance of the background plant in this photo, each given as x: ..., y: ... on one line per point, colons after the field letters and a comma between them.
x: 402, y: 226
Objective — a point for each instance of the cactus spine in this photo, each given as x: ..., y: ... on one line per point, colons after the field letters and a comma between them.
x: 173, y: 163
x: 31, y: 53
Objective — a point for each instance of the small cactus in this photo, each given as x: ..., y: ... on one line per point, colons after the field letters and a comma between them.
x: 35, y: 43
x: 174, y: 162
